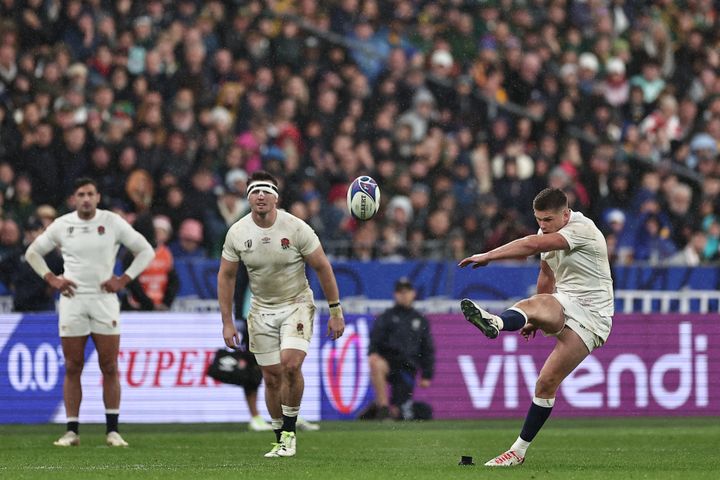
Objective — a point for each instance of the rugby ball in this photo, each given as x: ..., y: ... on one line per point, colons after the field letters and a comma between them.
x: 363, y: 198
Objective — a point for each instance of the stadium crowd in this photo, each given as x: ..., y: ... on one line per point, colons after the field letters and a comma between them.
x: 461, y: 110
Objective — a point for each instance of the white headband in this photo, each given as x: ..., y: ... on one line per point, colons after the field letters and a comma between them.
x: 262, y: 186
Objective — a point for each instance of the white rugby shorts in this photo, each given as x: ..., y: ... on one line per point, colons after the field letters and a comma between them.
x: 271, y: 330
x: 82, y: 315
x: 583, y: 321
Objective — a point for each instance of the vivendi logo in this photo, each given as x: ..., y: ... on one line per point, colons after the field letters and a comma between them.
x: 651, y: 365
x: 345, y: 371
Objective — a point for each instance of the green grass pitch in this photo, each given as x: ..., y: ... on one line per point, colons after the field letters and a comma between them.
x: 678, y: 448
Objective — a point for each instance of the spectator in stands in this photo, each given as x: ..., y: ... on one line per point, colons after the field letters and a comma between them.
x: 652, y: 242
x: 156, y: 287
x: 692, y: 254
x: 30, y: 292
x: 46, y: 214
x: 401, y: 345
x: 106, y: 91
x: 10, y: 238
x: 189, y: 243
x: 175, y: 207
x: 20, y: 205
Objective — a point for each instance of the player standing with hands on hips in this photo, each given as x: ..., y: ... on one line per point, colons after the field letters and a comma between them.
x: 275, y: 246
x: 574, y: 303
x: 89, y: 239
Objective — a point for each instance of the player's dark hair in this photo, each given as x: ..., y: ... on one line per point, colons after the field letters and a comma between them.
x: 262, y: 175
x: 550, y: 199
x: 82, y: 181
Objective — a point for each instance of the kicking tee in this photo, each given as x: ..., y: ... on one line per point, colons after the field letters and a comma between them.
x: 583, y: 271
x: 89, y: 247
x: 274, y: 258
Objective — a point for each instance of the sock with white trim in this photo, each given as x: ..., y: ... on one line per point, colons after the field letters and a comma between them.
x: 290, y: 415
x: 111, y: 420
x: 277, y: 424
x: 73, y: 424
x: 538, y: 413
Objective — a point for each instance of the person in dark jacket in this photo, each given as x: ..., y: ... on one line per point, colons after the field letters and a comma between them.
x: 400, y: 346
x: 30, y: 292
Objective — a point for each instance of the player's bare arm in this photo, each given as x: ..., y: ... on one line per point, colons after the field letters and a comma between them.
x: 520, y: 248
x: 226, y: 289
x: 320, y: 263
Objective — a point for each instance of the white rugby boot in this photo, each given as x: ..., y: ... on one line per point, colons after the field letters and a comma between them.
x: 258, y: 424
x: 273, y: 453
x: 306, y: 425
x: 114, y: 439
x: 485, y: 321
x: 70, y: 439
x: 287, y: 444
x: 507, y: 459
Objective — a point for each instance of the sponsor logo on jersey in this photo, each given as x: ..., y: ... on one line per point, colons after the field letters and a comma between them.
x: 285, y: 243
x: 266, y: 240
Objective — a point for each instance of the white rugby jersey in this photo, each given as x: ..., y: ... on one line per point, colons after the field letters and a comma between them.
x: 274, y: 258
x: 89, y: 247
x: 583, y: 271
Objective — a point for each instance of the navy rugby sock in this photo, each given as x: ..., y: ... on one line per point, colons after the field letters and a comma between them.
x: 513, y: 319
x: 290, y: 415
x: 73, y: 425
x: 111, y: 421
x: 540, y: 410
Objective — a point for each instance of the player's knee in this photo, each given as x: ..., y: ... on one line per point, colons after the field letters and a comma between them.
x: 272, y: 380
x: 292, y: 367
x: 109, y: 367
x: 73, y: 368
x: 531, y: 307
x: 546, y: 386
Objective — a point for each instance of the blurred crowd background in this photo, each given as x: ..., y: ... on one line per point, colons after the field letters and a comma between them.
x: 461, y: 110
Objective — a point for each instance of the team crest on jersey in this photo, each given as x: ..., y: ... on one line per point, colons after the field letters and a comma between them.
x: 300, y: 328
x: 248, y: 243
x: 101, y: 230
x: 266, y: 240
x: 285, y: 243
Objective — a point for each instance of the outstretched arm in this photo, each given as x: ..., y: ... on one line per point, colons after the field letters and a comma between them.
x: 522, y: 247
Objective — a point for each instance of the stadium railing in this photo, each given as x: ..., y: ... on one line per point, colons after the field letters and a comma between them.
x: 626, y: 301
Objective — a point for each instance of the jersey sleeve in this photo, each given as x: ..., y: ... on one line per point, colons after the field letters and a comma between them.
x: 307, y: 240
x: 126, y: 234
x: 577, y: 234
x: 49, y: 239
x: 229, y: 252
